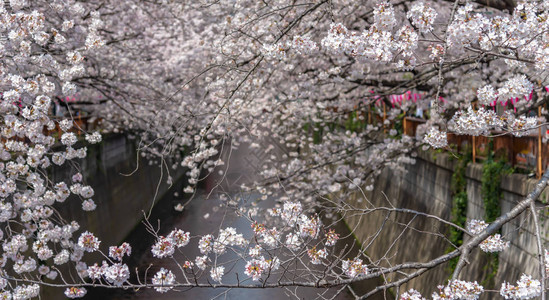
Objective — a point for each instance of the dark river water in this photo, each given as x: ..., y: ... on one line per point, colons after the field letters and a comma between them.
x: 192, y: 219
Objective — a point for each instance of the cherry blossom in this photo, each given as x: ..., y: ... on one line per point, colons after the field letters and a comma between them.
x: 329, y: 82
x: 88, y: 242
x: 217, y: 272
x: 165, y: 246
x: 354, y: 268
x: 411, y: 294
x: 118, y: 253
x: 459, y: 289
x: 163, y: 278
x: 75, y: 292
x: 436, y: 138
x: 526, y: 288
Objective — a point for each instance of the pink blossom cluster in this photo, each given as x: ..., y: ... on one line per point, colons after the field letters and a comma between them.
x: 494, y: 243
x: 379, y: 43
x: 316, y: 256
x: 257, y: 267
x: 216, y: 273
x: 88, y: 242
x: 227, y: 237
x: 165, y: 246
x: 459, y: 289
x: 411, y: 294
x: 309, y: 226
x: 116, y: 274
x: 354, y: 268
x: 526, y: 288
x: 436, y: 138
x: 163, y: 279
x: 201, y: 262
x: 475, y: 122
x: 75, y: 292
x: 422, y: 16
x: 331, y: 237
x: 118, y: 253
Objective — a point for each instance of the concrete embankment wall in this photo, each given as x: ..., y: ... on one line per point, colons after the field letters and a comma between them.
x: 398, y: 237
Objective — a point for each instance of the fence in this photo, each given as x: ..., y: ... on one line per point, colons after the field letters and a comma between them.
x: 81, y: 124
x: 526, y: 152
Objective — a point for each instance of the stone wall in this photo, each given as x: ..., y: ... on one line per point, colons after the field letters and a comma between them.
x: 408, y: 238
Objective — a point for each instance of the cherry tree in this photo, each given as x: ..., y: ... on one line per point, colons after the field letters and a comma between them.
x: 192, y: 80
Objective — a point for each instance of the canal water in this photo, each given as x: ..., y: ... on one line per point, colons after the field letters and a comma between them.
x: 206, y: 215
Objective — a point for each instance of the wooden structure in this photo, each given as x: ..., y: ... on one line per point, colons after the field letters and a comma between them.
x: 527, y: 152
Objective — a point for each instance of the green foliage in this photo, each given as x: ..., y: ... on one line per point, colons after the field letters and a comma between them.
x: 316, y: 129
x: 398, y: 124
x: 317, y: 133
x: 492, y: 269
x: 459, y: 206
x: 459, y: 182
x: 492, y: 172
x: 353, y: 123
x: 436, y: 152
